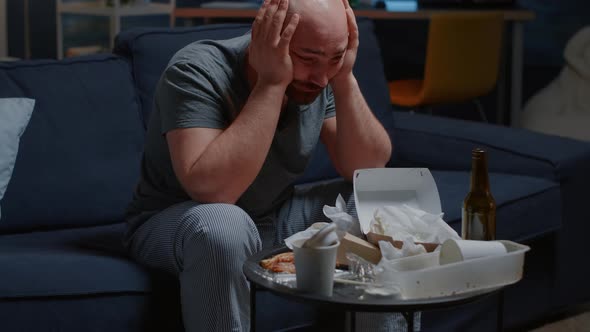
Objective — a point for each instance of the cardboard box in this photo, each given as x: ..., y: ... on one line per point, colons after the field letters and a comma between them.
x: 364, y: 249
x: 423, y: 276
x: 377, y: 187
x: 374, y: 238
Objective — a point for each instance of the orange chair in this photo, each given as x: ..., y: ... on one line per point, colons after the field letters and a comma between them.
x: 462, y: 62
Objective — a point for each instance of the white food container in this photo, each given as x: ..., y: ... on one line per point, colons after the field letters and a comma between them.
x: 422, y: 276
x: 376, y: 187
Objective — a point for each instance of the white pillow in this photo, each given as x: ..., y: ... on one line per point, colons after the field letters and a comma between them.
x: 15, y: 114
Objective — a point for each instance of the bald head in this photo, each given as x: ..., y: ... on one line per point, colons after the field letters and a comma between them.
x: 323, y: 17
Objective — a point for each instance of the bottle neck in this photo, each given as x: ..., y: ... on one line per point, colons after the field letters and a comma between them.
x: 479, y: 174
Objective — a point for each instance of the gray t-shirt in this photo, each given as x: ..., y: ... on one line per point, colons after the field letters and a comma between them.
x: 205, y: 85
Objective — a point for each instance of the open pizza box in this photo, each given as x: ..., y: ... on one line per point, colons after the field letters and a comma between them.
x: 423, y: 276
x: 378, y: 187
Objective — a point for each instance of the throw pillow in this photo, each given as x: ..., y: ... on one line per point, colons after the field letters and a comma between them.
x: 15, y: 114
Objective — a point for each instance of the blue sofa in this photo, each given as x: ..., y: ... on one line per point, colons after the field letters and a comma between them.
x: 62, y: 265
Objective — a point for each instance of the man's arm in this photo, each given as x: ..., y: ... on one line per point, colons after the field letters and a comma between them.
x: 355, y: 138
x: 216, y: 165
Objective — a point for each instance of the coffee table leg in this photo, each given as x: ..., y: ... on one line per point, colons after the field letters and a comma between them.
x: 409, y: 316
x: 500, y: 317
x: 352, y: 321
x: 252, y: 307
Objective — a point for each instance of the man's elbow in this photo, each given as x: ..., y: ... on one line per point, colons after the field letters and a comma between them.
x: 381, y: 156
x: 206, y: 190
x: 387, y: 154
x: 380, y: 160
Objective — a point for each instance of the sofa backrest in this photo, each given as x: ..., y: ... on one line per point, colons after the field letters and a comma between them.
x: 79, y: 157
x: 149, y: 51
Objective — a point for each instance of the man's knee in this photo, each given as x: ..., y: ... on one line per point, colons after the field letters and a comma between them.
x: 221, y: 229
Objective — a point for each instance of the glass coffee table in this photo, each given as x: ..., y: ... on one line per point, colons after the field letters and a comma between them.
x: 349, y: 297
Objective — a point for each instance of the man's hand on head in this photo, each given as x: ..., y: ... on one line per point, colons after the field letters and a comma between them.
x: 269, y: 49
x: 345, y: 72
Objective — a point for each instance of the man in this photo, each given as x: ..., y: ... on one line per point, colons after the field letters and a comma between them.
x: 234, y: 124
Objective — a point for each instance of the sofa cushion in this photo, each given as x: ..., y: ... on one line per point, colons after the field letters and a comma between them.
x: 149, y: 62
x: 68, y: 262
x: 78, y: 160
x: 81, y: 280
x: 134, y: 312
x: 15, y: 114
x: 90, y: 313
x: 68, y: 275
x: 444, y: 143
x: 527, y: 207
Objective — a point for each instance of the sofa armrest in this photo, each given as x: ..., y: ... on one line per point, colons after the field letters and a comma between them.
x: 443, y: 143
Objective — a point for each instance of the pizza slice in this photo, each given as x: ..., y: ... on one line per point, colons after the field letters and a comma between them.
x: 280, y: 263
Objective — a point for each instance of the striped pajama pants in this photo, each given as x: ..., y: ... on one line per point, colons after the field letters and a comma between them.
x: 205, y: 246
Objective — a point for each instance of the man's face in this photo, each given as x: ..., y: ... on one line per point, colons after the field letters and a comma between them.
x: 317, y: 57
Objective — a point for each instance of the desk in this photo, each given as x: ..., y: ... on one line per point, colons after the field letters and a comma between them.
x: 514, y: 18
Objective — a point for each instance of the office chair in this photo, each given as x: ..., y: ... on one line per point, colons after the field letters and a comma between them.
x: 462, y: 60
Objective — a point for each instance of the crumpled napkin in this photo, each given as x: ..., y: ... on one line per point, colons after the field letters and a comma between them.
x: 336, y: 213
x: 406, y: 223
x: 344, y: 221
x: 306, y: 234
x: 389, y: 252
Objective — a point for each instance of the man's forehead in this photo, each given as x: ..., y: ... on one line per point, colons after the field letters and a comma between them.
x: 329, y: 41
x: 321, y: 50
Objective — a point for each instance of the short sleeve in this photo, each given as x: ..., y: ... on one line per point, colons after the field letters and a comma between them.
x: 330, y: 106
x: 186, y: 98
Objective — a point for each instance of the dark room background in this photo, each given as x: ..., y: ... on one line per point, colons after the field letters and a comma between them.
x: 402, y: 42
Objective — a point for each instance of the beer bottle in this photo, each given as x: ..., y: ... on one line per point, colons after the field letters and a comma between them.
x: 479, y: 208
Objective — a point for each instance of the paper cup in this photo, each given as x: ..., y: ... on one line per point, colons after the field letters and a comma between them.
x: 314, y: 268
x: 459, y: 250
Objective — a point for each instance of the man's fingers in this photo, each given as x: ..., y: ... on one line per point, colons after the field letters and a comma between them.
x: 346, y: 4
x: 279, y: 19
x: 257, y: 24
x: 353, y: 30
x: 269, y: 14
x: 288, y: 32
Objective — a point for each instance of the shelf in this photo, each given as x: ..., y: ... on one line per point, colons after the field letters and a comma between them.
x: 126, y: 10
x: 114, y: 14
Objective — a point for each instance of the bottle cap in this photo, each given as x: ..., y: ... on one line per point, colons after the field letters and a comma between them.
x: 478, y: 153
